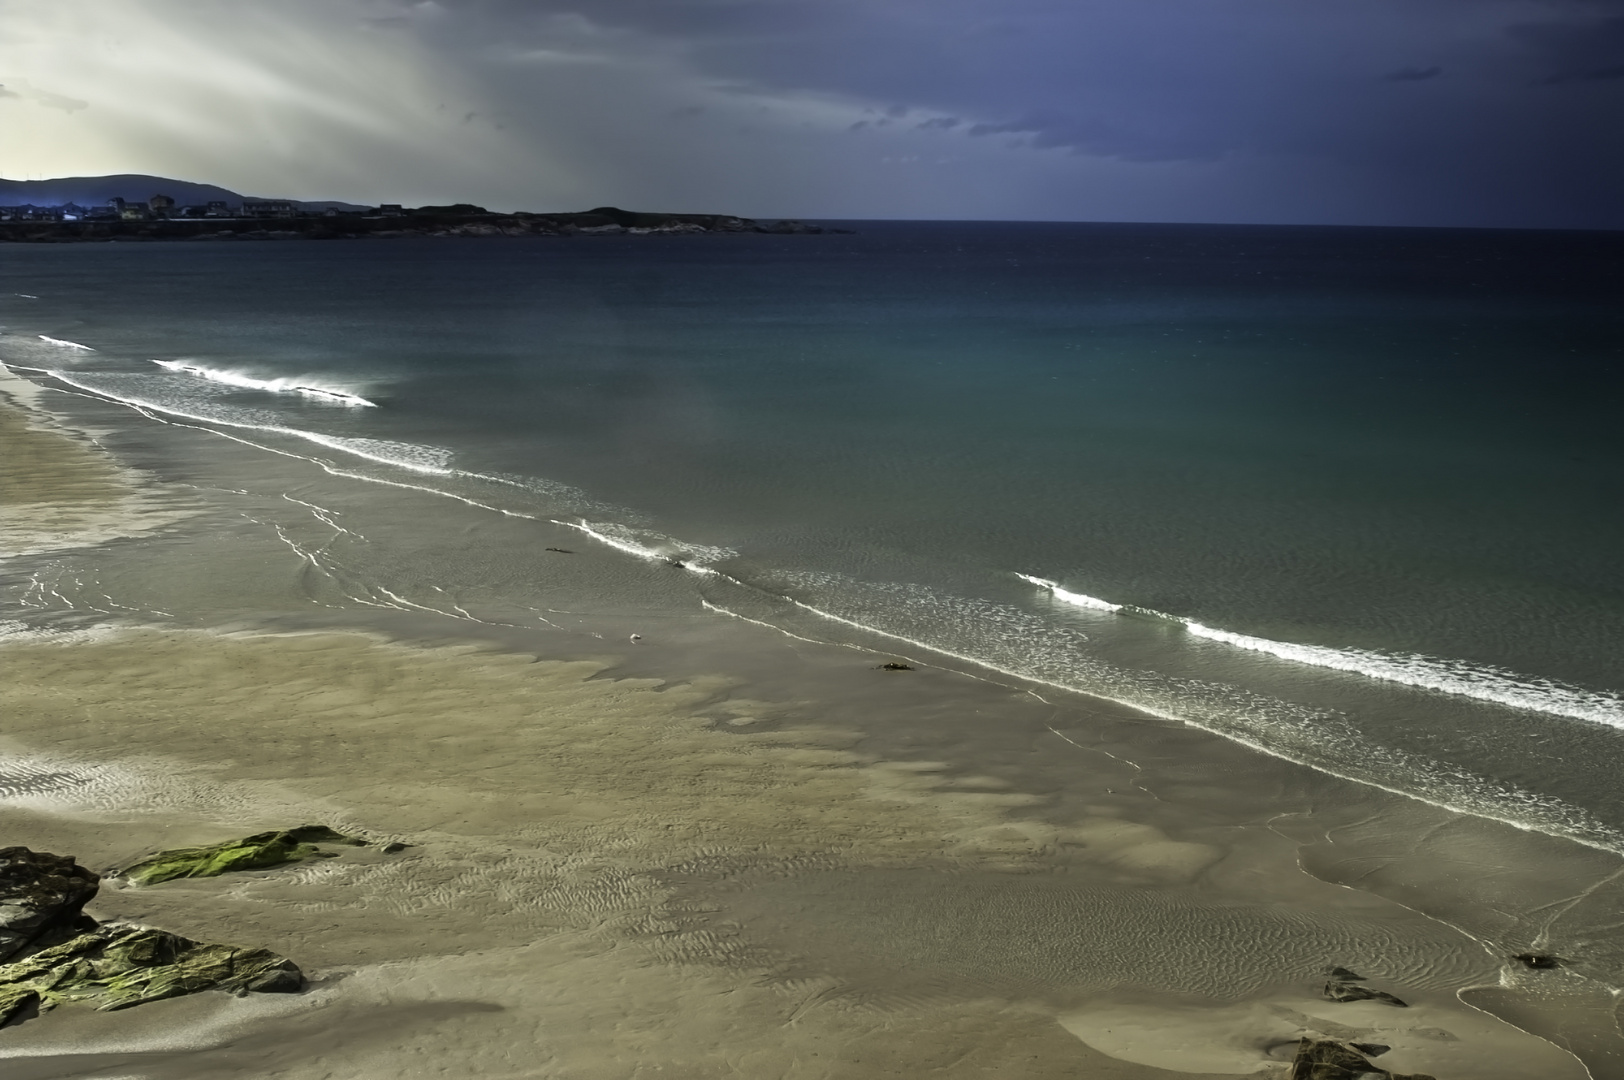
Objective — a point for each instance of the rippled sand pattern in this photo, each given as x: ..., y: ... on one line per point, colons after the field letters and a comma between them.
x: 1054, y: 933
x: 611, y: 874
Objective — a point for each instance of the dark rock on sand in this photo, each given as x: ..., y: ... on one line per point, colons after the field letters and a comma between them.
x: 120, y: 966
x: 255, y: 852
x: 893, y: 666
x: 1340, y: 991
x: 562, y: 551
x: 1326, y: 1059
x: 42, y: 899
x: 1371, y: 1049
x: 1342, y: 988
x: 1540, y: 961
x: 57, y: 953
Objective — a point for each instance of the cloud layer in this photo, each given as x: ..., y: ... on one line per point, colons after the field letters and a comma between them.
x: 1420, y: 112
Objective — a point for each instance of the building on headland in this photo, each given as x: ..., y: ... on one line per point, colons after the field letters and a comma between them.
x: 160, y: 205
x: 269, y: 208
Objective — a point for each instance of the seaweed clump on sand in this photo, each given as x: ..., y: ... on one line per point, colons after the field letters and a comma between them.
x: 119, y: 966
x: 1327, y: 1059
x: 257, y: 852
x: 55, y: 953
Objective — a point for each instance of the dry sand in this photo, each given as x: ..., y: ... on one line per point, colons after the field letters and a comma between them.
x: 616, y: 878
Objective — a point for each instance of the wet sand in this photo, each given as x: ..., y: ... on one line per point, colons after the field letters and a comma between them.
x: 615, y: 873
x: 57, y: 488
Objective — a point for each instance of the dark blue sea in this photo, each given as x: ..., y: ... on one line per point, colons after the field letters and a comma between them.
x: 1351, y: 497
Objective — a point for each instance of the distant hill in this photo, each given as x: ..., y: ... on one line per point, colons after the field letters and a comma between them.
x: 131, y: 187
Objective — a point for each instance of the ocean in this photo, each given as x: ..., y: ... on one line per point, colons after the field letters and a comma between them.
x: 1348, y: 497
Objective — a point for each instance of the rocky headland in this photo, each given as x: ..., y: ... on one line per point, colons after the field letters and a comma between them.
x: 426, y: 221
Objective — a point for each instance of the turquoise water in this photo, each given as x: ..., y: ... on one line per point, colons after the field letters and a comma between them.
x: 1350, y: 496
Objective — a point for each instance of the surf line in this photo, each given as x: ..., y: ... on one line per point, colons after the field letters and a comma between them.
x: 65, y: 344
x: 681, y: 557
x: 274, y: 386
x: 356, y: 446
x: 1491, y: 801
x: 1479, y: 682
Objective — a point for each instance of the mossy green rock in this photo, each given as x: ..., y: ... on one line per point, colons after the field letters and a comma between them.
x: 255, y: 852
x: 120, y: 966
x: 1327, y: 1059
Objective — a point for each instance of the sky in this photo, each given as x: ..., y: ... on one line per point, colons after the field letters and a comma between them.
x: 1497, y: 113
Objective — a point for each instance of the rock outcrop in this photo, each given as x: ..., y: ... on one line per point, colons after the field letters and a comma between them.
x: 55, y: 953
x: 1344, y: 986
x: 118, y: 966
x: 42, y: 897
x: 255, y: 852
x: 1327, y: 1059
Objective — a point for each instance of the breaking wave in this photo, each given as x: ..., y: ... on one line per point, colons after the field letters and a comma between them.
x: 115, y: 386
x: 653, y: 546
x: 65, y: 344
x: 1461, y: 678
x: 303, y: 387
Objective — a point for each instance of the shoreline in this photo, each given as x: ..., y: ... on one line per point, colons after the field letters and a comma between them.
x: 602, y: 221
x: 59, y: 487
x: 665, y: 894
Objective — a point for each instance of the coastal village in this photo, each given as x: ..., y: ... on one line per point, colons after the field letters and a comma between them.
x: 163, y: 207
x: 161, y: 217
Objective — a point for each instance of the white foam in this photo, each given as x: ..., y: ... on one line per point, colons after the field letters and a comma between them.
x: 65, y: 344
x: 303, y: 387
x: 1321, y: 741
x: 651, y: 546
x: 1078, y: 599
x: 1457, y: 677
x: 414, y: 457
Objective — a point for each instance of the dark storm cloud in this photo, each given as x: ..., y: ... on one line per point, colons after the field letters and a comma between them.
x: 1413, y: 74
x: 1583, y: 51
x: 1396, y: 111
x: 1156, y: 80
x: 1593, y: 75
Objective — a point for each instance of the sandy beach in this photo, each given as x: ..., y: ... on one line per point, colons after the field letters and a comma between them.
x: 616, y: 870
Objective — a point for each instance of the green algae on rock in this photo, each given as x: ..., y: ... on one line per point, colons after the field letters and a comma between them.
x: 119, y: 966
x: 56, y: 953
x: 256, y: 852
x: 1327, y: 1059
